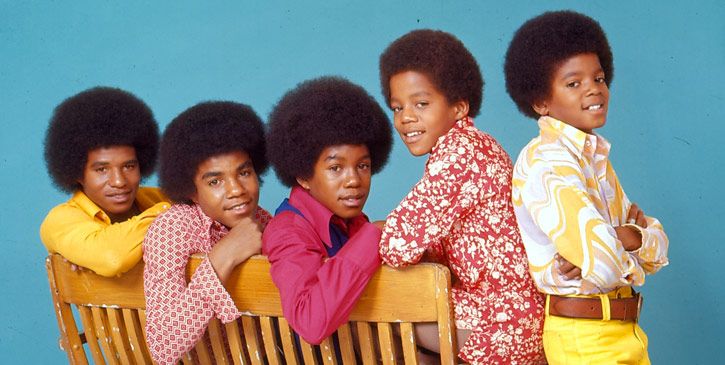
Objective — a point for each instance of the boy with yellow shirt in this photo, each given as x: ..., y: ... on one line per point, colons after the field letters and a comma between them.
x: 587, y: 244
x: 99, y: 145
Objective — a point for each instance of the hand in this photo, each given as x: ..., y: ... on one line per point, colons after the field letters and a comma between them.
x: 630, y: 237
x: 636, y: 216
x: 567, y: 269
x: 242, y: 241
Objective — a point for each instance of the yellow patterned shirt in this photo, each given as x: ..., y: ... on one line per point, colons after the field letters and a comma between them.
x: 567, y: 200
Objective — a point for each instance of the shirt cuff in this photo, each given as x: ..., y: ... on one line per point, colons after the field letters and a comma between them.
x: 206, y: 282
x: 362, y: 249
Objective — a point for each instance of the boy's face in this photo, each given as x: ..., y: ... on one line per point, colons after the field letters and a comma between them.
x: 341, y: 179
x: 227, y: 187
x: 579, y: 94
x: 421, y: 113
x: 110, y: 179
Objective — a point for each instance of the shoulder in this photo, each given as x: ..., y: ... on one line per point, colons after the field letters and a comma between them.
x: 149, y: 195
x: 180, y: 217
x: 262, y: 216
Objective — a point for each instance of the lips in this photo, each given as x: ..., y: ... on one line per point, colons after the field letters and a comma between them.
x: 353, y: 200
x: 121, y: 197
x: 239, y: 208
x: 410, y: 137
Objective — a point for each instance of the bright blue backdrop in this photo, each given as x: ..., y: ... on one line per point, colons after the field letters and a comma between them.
x: 665, y: 119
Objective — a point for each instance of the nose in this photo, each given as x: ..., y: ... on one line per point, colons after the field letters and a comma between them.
x: 352, y: 179
x: 117, y: 178
x: 407, y: 115
x: 595, y: 88
x: 234, y: 188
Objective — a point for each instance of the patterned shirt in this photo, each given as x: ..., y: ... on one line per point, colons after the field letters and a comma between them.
x: 460, y: 214
x: 178, y: 313
x: 568, y: 201
x: 82, y: 232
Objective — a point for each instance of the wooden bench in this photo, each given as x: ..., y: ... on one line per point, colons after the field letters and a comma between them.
x: 112, y: 318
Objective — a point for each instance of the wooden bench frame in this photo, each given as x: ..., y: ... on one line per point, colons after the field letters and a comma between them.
x: 112, y: 316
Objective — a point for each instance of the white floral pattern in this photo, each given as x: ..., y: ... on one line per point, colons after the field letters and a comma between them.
x: 460, y: 214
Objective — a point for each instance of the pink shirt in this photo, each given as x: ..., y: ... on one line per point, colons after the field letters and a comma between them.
x: 460, y: 214
x: 318, y: 292
x: 178, y: 313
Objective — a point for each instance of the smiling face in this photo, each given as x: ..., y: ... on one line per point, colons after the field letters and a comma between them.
x: 227, y: 187
x: 579, y: 94
x: 421, y: 112
x: 110, y: 179
x: 341, y: 179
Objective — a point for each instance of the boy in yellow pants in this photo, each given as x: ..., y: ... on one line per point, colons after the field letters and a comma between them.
x: 587, y: 244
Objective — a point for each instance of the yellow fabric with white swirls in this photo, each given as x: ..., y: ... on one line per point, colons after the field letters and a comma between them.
x: 567, y: 200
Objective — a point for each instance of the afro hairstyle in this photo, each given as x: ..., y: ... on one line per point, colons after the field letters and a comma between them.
x: 541, y: 45
x: 95, y: 118
x: 442, y: 58
x: 206, y: 130
x: 324, y: 112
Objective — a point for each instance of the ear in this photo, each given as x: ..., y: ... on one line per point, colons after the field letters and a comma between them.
x: 304, y: 183
x: 195, y: 197
x: 541, y: 108
x: 461, y: 108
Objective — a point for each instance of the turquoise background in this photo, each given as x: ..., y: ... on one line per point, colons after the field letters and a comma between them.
x: 665, y: 121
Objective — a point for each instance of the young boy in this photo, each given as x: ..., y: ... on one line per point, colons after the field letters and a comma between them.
x: 99, y: 145
x: 211, y: 157
x: 587, y: 244
x: 459, y: 214
x: 326, y: 138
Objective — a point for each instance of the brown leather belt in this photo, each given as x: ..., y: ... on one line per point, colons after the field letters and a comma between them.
x: 623, y: 309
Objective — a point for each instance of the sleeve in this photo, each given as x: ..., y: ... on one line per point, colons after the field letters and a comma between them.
x: 450, y: 186
x: 556, y: 198
x: 652, y: 256
x: 108, y: 250
x: 317, y: 294
x: 178, y: 313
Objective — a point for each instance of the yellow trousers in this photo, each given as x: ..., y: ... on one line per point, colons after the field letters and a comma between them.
x: 575, y: 341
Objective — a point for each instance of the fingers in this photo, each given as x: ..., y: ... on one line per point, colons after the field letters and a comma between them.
x: 636, y: 216
x: 567, y: 269
x: 641, y: 219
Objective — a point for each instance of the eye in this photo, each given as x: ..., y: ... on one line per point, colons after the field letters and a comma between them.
x: 572, y: 84
x: 364, y: 166
x: 213, y: 182
x: 600, y: 79
x: 130, y: 166
x: 101, y: 170
x: 245, y: 173
x: 421, y: 104
x: 396, y: 109
x: 335, y: 168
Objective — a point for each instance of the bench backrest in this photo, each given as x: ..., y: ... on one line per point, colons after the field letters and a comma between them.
x: 112, y: 317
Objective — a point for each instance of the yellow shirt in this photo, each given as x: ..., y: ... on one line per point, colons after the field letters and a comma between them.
x: 567, y: 200
x: 82, y: 233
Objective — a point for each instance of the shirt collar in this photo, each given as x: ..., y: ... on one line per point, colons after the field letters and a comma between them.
x: 208, y: 223
x: 145, y: 198
x: 318, y: 215
x: 460, y: 124
x: 89, y: 207
x: 578, y: 142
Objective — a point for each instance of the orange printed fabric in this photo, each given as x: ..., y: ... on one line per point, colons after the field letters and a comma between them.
x: 568, y: 200
x: 460, y: 214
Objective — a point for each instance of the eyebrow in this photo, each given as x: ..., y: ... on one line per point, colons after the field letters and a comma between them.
x: 210, y: 174
x: 335, y: 157
x: 244, y: 165
x: 577, y: 73
x: 106, y: 163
